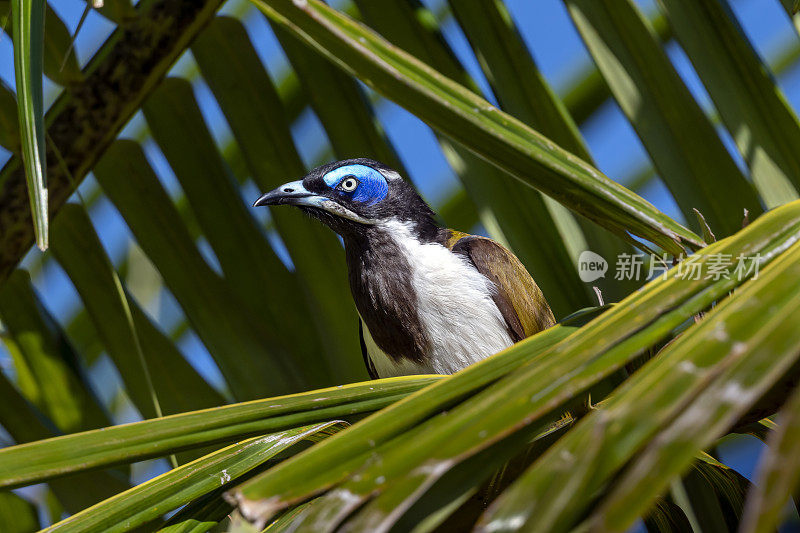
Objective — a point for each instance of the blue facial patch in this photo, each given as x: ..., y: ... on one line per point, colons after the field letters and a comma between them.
x: 372, y: 187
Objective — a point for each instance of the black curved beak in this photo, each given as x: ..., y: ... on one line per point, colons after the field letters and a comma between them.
x: 292, y: 193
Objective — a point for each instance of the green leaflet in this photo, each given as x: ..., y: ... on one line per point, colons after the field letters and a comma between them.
x: 16, y: 514
x: 48, y: 371
x: 481, y: 478
x: 45, y: 459
x: 25, y: 423
x: 716, y: 497
x: 146, y: 502
x: 60, y: 62
x: 749, y: 102
x: 28, y: 30
x: 199, y: 515
x: 588, y: 90
x: 680, y: 139
x: 177, y: 385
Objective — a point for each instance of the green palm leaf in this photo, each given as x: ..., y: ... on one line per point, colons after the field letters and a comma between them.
x: 28, y: 32
x: 146, y: 502
x: 165, y: 285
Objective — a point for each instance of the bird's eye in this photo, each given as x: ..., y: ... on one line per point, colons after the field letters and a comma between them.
x: 348, y: 184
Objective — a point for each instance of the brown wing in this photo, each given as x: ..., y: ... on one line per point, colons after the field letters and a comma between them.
x: 519, y: 299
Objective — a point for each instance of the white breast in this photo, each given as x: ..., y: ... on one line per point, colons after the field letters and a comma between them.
x: 455, y: 308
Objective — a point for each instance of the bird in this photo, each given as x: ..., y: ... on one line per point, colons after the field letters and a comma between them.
x: 430, y: 300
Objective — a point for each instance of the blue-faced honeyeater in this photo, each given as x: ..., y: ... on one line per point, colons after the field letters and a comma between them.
x: 429, y: 299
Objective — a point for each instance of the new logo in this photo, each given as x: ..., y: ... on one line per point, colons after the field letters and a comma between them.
x: 591, y: 266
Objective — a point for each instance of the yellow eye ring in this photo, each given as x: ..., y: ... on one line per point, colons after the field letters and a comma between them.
x: 348, y: 184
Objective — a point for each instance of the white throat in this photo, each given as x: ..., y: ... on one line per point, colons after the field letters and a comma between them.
x: 455, y: 308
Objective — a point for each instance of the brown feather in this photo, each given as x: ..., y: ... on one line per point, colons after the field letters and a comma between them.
x: 519, y: 299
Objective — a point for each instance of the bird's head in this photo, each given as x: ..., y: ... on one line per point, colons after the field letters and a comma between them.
x: 355, y: 195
